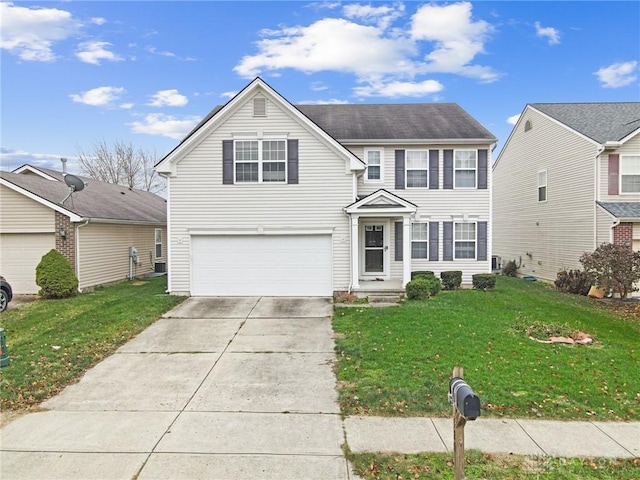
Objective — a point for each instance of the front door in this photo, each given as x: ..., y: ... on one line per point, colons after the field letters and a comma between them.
x: 375, y: 250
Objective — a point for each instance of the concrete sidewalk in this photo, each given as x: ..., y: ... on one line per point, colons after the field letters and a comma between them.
x: 489, y: 435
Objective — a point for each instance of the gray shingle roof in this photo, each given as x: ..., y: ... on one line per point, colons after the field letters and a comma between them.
x: 601, y: 122
x: 622, y: 209
x: 99, y: 200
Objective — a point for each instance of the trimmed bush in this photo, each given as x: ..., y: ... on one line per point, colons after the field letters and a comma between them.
x: 422, y: 273
x: 55, y: 276
x: 484, y: 281
x: 575, y: 281
x: 423, y: 287
x: 451, y: 280
x: 510, y: 269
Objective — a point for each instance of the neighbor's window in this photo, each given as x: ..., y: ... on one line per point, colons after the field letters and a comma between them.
x: 465, y: 164
x: 260, y: 161
x: 419, y: 240
x: 374, y: 165
x: 465, y: 240
x: 417, y: 166
x: 542, y: 186
x: 629, y: 173
x: 158, y: 238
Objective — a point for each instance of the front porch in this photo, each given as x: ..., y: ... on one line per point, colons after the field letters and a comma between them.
x: 387, y: 291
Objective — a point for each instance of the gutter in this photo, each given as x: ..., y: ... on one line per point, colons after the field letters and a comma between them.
x: 596, y: 195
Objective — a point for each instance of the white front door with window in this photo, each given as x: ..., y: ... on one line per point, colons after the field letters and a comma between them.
x: 375, y: 250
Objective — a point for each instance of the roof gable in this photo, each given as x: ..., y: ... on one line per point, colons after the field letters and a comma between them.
x: 381, y: 202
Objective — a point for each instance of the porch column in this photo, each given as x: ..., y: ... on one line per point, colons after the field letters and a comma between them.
x: 406, y: 250
x: 355, y: 220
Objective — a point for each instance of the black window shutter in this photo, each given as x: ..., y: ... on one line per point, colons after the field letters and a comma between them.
x: 433, y: 169
x: 482, y: 169
x: 448, y: 169
x: 399, y: 236
x: 433, y: 241
x: 292, y: 161
x: 482, y: 241
x: 447, y: 233
x: 400, y: 169
x: 227, y: 162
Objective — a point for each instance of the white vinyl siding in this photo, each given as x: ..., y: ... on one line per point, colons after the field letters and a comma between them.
x: 21, y: 214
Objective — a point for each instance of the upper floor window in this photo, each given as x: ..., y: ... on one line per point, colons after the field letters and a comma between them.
x: 629, y: 173
x: 417, y: 168
x: 260, y: 161
x: 464, y: 241
x: 542, y: 186
x: 419, y: 240
x: 375, y: 172
x: 465, y: 165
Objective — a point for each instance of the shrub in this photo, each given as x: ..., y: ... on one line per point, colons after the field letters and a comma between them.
x: 484, y: 281
x: 510, y: 269
x: 422, y: 273
x: 576, y: 282
x: 423, y: 287
x: 613, y: 267
x: 55, y: 276
x: 451, y: 280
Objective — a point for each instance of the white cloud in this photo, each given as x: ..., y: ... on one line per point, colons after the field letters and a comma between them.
x: 99, y: 97
x: 552, y: 34
x: 318, y: 86
x: 457, y: 38
x: 165, y: 125
x: 94, y: 51
x: 126, y: 106
x: 168, y: 98
x: 98, y: 21
x: 399, y: 89
x: 513, y: 119
x: 11, y: 159
x: 332, y: 101
x: 229, y: 94
x: 165, y: 53
x: 618, y: 74
x: 382, y: 16
x: 30, y: 33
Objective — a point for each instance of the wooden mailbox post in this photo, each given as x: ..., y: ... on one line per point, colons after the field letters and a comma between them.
x: 466, y: 406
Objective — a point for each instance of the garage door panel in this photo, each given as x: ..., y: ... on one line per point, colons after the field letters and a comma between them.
x: 20, y: 254
x: 268, y: 265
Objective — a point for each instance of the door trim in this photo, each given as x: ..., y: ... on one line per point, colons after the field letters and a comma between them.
x: 386, y: 253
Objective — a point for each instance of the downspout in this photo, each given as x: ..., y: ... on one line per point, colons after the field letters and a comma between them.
x: 596, y: 196
x: 78, y: 252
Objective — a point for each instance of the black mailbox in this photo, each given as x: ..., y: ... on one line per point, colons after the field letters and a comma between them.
x: 461, y: 395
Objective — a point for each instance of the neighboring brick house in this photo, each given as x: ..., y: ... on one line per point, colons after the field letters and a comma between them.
x: 566, y: 181
x: 93, y: 228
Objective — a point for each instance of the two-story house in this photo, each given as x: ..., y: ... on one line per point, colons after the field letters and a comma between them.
x: 566, y: 181
x: 268, y: 198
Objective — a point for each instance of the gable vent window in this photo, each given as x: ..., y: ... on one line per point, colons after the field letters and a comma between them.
x: 527, y: 125
x: 259, y: 107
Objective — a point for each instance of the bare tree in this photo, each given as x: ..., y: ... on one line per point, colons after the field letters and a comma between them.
x: 121, y: 164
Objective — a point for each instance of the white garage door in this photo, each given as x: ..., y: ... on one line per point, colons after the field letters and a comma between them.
x: 261, y: 265
x: 20, y: 254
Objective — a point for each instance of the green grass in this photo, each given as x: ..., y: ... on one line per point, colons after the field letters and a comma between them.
x: 52, y: 342
x: 398, y: 360
x: 494, y: 467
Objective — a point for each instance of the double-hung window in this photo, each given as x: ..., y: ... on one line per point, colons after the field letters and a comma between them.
x: 158, y: 242
x: 629, y: 173
x: 542, y: 186
x: 465, y: 167
x: 419, y: 240
x: 259, y: 161
x: 417, y: 166
x: 373, y: 158
x: 464, y: 240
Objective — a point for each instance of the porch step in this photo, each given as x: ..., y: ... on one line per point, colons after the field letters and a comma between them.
x: 377, y: 296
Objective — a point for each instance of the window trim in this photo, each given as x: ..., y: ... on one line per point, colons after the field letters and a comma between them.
x: 381, y: 165
x: 157, y: 231
x: 425, y: 241
x: 475, y: 240
x: 260, y: 161
x: 545, y: 186
x: 620, y: 174
x: 456, y: 170
x: 406, y: 167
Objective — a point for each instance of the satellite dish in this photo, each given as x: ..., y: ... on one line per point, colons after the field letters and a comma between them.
x: 74, y: 183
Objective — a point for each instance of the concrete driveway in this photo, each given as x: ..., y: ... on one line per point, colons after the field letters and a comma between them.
x: 227, y: 388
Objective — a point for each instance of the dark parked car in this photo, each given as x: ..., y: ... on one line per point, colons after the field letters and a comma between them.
x: 6, y: 294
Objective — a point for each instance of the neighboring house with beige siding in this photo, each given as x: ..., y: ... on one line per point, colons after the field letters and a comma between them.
x: 270, y: 198
x: 94, y: 228
x: 566, y: 181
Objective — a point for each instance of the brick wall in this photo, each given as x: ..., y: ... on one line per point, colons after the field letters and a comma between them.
x: 66, y: 245
x: 623, y: 234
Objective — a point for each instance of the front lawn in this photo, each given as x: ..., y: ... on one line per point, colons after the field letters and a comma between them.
x: 53, y: 342
x: 398, y: 360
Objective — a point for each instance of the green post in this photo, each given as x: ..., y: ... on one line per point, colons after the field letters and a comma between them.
x: 4, y: 355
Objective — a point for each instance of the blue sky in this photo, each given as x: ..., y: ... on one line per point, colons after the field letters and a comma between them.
x: 77, y: 73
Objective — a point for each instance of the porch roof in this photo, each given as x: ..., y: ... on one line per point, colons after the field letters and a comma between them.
x: 381, y: 203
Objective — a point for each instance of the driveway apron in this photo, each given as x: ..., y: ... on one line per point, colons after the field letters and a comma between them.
x: 229, y: 388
